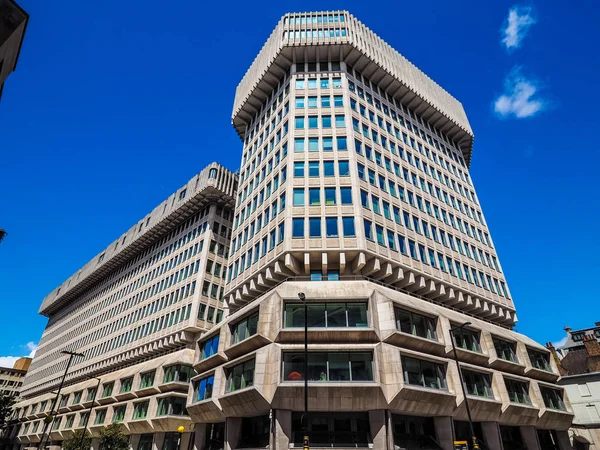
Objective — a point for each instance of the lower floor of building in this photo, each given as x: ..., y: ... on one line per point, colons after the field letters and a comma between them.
x: 379, y: 429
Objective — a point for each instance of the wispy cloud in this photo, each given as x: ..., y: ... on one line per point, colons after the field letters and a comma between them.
x: 9, y: 361
x: 519, y: 98
x: 516, y: 26
x: 560, y: 343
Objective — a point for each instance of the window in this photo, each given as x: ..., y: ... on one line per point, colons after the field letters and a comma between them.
x: 333, y: 430
x: 77, y: 397
x: 466, y: 339
x: 244, y: 329
x: 240, y: 376
x: 348, y: 226
x: 346, y: 195
x: 415, y: 324
x: 100, y: 416
x: 299, y: 145
x: 171, y: 406
x: 126, y: 385
x: 314, y: 224
x: 70, y: 421
x: 422, y: 373
x: 313, y: 122
x: 329, y: 366
x: 298, y: 228
x: 338, y: 101
x: 203, y: 388
x: 340, y: 122
x: 300, y: 83
x: 330, y: 196
x: 506, y: 350
x: 553, y: 398
x: 344, y: 168
x: 209, y: 347
x: 313, y: 169
x: 140, y: 410
x: 540, y: 360
x: 91, y: 395
x: 328, y: 168
x: 342, y: 143
x: 327, y: 315
x: 478, y: 384
x: 518, y: 391
x: 119, y: 413
x: 299, y: 169
x: 178, y: 373
x: 298, y: 197
x: 147, y: 379
x: 326, y: 121
x: 368, y: 230
x: 300, y: 102
x: 299, y: 123
x: 327, y: 144
x: 107, y: 389
x: 314, y: 196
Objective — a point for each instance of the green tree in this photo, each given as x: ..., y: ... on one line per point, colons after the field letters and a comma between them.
x: 112, y: 438
x: 6, y: 409
x: 74, y: 443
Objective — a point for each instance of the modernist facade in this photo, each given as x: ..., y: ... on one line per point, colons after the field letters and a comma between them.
x: 11, y: 378
x: 355, y: 190
x: 13, y: 23
x: 134, y: 311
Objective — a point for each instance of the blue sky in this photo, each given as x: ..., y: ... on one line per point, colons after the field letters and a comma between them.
x: 116, y: 104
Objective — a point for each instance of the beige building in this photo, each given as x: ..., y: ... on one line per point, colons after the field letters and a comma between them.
x: 355, y: 190
x: 13, y: 23
x: 134, y: 311
x: 11, y: 379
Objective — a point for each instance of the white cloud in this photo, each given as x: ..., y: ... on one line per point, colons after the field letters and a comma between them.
x: 516, y: 26
x: 560, y: 343
x: 518, y: 97
x: 9, y: 361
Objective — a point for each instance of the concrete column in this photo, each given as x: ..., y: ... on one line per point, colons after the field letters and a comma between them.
x: 233, y: 429
x: 390, y: 427
x: 200, y: 436
x: 444, y: 431
x: 283, y: 430
x: 378, y: 429
x: 185, y: 441
x: 564, y: 443
x: 491, y: 434
x: 157, y: 443
x: 134, y: 440
x: 530, y: 438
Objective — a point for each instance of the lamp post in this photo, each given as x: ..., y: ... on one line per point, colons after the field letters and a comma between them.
x: 50, y: 418
x: 180, y: 430
x: 462, y: 383
x: 302, y: 298
x: 87, y: 419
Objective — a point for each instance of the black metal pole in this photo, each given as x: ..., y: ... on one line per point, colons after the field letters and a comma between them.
x: 62, y: 381
x: 462, y: 384
x: 87, y: 419
x: 302, y: 297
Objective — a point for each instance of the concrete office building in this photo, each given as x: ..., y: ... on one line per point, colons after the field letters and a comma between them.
x: 134, y: 311
x: 13, y: 23
x: 11, y: 378
x: 355, y: 190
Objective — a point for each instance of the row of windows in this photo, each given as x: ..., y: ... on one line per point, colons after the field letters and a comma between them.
x: 261, y: 175
x: 323, y: 196
x: 318, y: 225
x: 324, y: 82
x: 314, y: 169
x: 318, y: 18
x: 423, y: 227
x: 313, y: 102
x: 313, y: 122
x: 358, y: 367
x: 428, y: 256
x: 304, y: 34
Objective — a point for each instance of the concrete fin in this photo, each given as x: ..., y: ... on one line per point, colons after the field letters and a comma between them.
x: 374, y: 265
x: 359, y: 262
x: 342, y: 263
x: 292, y: 264
x: 307, y: 263
x: 324, y: 263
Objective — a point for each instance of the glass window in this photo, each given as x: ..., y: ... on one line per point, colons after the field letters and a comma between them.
x: 344, y: 168
x: 100, y: 416
x: 327, y: 144
x: 540, y: 360
x: 368, y: 230
x: 119, y: 413
x: 299, y: 123
x: 300, y: 83
x: 518, y: 391
x: 326, y: 101
x: 171, y: 406
x: 329, y: 366
x: 331, y: 224
x: 346, y: 195
x: 300, y: 102
x: 312, y: 102
x: 126, y: 385
x: 240, y: 376
x: 298, y: 228
x: 209, y: 347
x: 338, y: 101
x: 313, y: 144
x: 299, y: 197
x: 330, y: 196
x: 415, y: 324
x: 314, y: 196
x: 478, y: 384
x: 327, y: 315
x: 339, y: 121
x: 203, y: 388
x: 313, y: 122
x: 299, y: 169
x: 553, y: 398
x: 324, y: 83
x: 348, y: 225
x: 328, y: 168
x: 178, y: 373
x: 140, y: 410
x: 326, y: 120
x: 506, y: 350
x: 424, y: 373
x: 299, y: 144
x: 107, y: 389
x: 313, y: 169
x: 314, y: 224
x: 342, y: 143
x: 244, y: 329
x: 466, y: 339
x: 312, y: 83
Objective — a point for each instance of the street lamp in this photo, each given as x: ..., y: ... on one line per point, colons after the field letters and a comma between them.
x: 302, y: 298
x: 48, y: 420
x: 87, y: 419
x: 462, y: 382
x: 180, y: 430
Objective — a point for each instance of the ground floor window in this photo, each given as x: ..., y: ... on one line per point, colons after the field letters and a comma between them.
x: 462, y: 432
x: 215, y: 436
x: 414, y: 432
x: 512, y: 438
x: 171, y: 441
x: 333, y: 430
x: 255, y: 432
x: 548, y: 440
x: 145, y: 442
